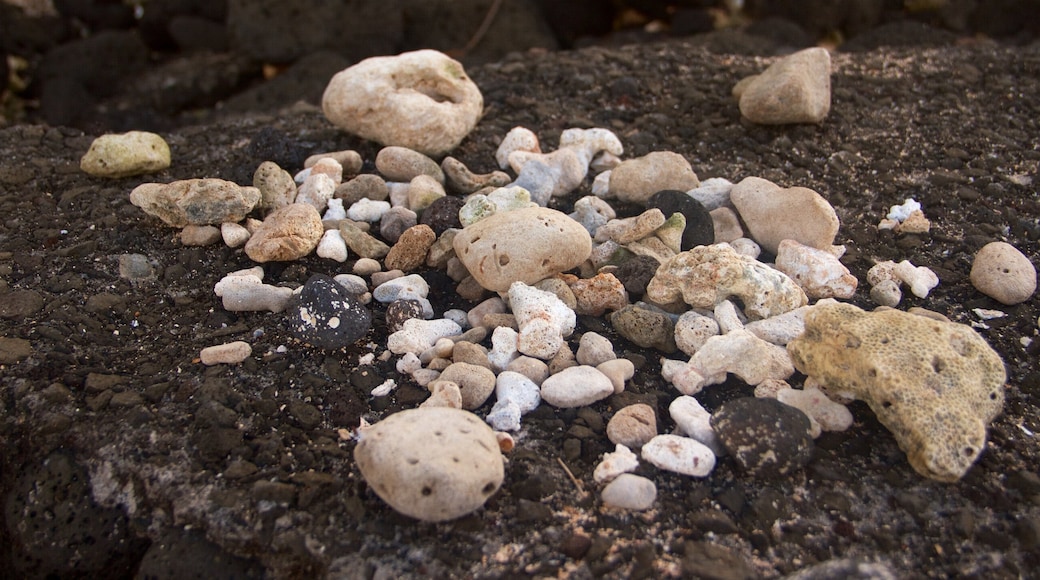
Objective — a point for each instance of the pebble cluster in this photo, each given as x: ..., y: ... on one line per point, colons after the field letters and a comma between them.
x: 684, y: 277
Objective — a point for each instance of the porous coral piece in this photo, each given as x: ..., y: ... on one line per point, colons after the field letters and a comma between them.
x: 936, y: 385
x: 706, y: 275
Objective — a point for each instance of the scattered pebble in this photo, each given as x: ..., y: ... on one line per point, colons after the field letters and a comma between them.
x: 277, y: 188
x: 1003, y: 273
x: 773, y: 214
x: 403, y: 164
x: 619, y: 371
x: 936, y: 385
x: 630, y: 492
x: 431, y: 463
x: 14, y: 350
x: 765, y: 437
x: 524, y: 245
x: 244, y: 291
x: 229, y: 353
x: 420, y: 335
x: 621, y: 460
x: 693, y: 329
x: 316, y: 190
x: 636, y: 180
x: 632, y: 426
x: 200, y: 235
x: 679, y: 454
x: 286, y: 234
x: 706, y: 275
x: 200, y: 202
x: 739, y: 352
x: 234, y: 235
x: 794, y: 89
x: 476, y: 383
x: 646, y: 326
x: 543, y: 319
x: 421, y: 100
x: 136, y: 267
x: 325, y: 316
x: 699, y: 229
x: 409, y: 253
x: 818, y: 272
x: 332, y: 246
x: 126, y: 154
x: 576, y: 386
x: 831, y: 416
x: 694, y: 421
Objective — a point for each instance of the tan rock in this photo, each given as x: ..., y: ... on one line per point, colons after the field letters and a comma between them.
x: 1003, y: 273
x: 288, y: 233
x: 197, y: 202
x: 936, y: 385
x: 421, y: 100
x: 774, y: 214
x: 409, y: 253
x: 794, y: 89
x: 632, y: 426
x: 635, y: 180
x: 525, y: 245
x: 432, y: 463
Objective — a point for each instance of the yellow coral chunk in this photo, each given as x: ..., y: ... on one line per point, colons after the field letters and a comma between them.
x: 935, y: 385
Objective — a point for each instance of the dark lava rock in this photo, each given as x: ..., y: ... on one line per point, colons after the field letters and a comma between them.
x: 700, y: 230
x: 326, y: 316
x: 273, y: 145
x: 398, y: 311
x: 636, y: 272
x: 442, y: 214
x: 57, y: 531
x: 187, y: 554
x: 766, y: 437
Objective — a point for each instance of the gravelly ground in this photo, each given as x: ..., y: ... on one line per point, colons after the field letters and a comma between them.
x: 123, y: 455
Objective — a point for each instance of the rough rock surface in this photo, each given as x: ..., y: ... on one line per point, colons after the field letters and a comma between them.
x: 421, y: 100
x: 936, y: 385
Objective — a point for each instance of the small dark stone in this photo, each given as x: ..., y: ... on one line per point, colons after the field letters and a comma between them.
x: 576, y: 545
x: 713, y: 521
x: 307, y: 415
x: 398, y: 311
x: 187, y: 554
x: 700, y: 229
x: 274, y: 491
x: 532, y: 511
x: 19, y: 304
x: 765, y: 437
x: 442, y: 214
x: 325, y: 316
x: 636, y: 272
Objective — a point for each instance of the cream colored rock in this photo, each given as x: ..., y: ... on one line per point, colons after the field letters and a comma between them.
x: 818, y: 272
x: 277, y: 188
x: 936, y: 385
x: 629, y: 491
x: 421, y: 100
x: 831, y: 416
x: 774, y: 214
x: 739, y: 352
x: 126, y: 154
x: 525, y: 245
x: 692, y: 330
x: 417, y: 336
x: 680, y: 455
x: 635, y: 180
x: 403, y: 164
x: 443, y: 394
x: 632, y: 426
x: 229, y: 353
x: 619, y: 371
x: 476, y: 383
x: 197, y: 202
x: 234, y: 235
x: 543, y: 319
x: 613, y: 464
x: 694, y: 421
x: 576, y: 386
x: 1003, y: 273
x: 517, y: 139
x: 432, y: 463
x: 794, y: 89
x: 244, y: 291
x: 288, y: 233
x: 706, y: 275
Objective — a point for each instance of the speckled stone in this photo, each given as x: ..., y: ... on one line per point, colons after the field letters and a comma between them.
x: 326, y: 316
x: 766, y: 437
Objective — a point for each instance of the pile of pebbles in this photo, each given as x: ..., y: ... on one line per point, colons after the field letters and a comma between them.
x: 693, y: 256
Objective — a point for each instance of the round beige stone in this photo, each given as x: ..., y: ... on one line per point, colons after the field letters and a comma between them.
x: 632, y: 426
x: 288, y: 233
x: 1003, y: 273
x: 431, y: 463
x: 523, y: 245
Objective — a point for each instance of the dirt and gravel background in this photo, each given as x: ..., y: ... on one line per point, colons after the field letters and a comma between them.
x: 123, y: 456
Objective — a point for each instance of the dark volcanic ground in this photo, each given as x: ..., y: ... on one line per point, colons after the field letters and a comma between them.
x: 123, y: 455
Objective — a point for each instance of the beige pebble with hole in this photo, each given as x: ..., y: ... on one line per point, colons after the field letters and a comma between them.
x: 432, y: 463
